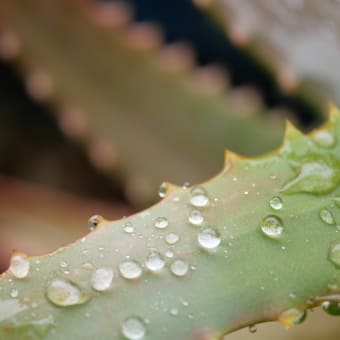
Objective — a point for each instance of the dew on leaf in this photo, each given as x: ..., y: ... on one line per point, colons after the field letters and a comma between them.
x: 14, y: 293
x: 128, y: 228
x: 276, y: 203
x: 162, y: 190
x: 102, y: 278
x: 292, y: 316
x: 252, y: 328
x: 334, y: 253
x: 195, y: 217
x: 169, y: 253
x: 272, y: 227
x: 161, y: 222
x: 209, y: 238
x: 173, y: 311
x: 64, y: 293
x: 19, y: 266
x: 331, y: 307
x: 324, y: 138
x: 327, y: 216
x: 171, y: 238
x: 199, y: 197
x: 130, y: 269
x: 179, y: 267
x: 94, y: 221
x: 133, y: 328
x: 154, y: 262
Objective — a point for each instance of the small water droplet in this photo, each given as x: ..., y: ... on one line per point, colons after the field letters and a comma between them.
x: 94, y: 221
x: 133, y: 328
x: 324, y: 138
x: 209, y: 238
x: 276, y: 203
x: 196, y: 217
x: 334, y: 253
x: 14, y: 293
x: 179, y: 268
x: 327, y: 216
x: 174, y: 311
x: 272, y: 227
x: 252, y: 328
x: 154, y: 262
x: 102, y: 279
x: 171, y: 238
x: 292, y: 317
x: 20, y: 266
x: 63, y: 264
x: 162, y: 190
x: 128, y: 228
x: 169, y: 253
x: 161, y: 222
x: 331, y: 307
x: 292, y: 295
x: 333, y: 284
x: 130, y: 269
x: 199, y: 197
x: 65, y: 293
x: 186, y: 185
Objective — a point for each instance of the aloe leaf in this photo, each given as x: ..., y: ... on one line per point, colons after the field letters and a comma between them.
x: 119, y: 89
x: 258, y: 242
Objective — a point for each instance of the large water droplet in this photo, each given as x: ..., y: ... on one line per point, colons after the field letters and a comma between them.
x: 94, y: 221
x: 171, y: 238
x: 334, y: 253
x: 133, y: 328
x: 20, y: 266
x: 209, y: 238
x: 199, y: 197
x: 154, y: 262
x: 292, y: 317
x: 130, y: 269
x: 162, y: 190
x: 161, y: 222
x: 331, y: 307
x: 179, y: 268
x: 195, y: 217
x: 65, y: 293
x: 272, y: 227
x: 102, y: 278
x: 276, y: 203
x: 324, y: 138
x: 327, y: 216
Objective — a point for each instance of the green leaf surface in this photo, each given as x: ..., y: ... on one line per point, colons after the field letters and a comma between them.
x: 258, y: 242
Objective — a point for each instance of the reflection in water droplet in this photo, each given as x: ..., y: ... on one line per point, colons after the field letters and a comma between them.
x: 292, y: 317
x: 196, y: 217
x: 276, y: 203
x: 161, y: 222
x: 133, y: 328
x: 272, y: 227
x: 327, y: 216
x: 334, y: 253
x: 94, y: 221
x: 179, y: 268
x: 64, y: 293
x: 331, y: 307
x: 198, y: 197
x: 154, y: 262
x: 162, y: 190
x: 172, y: 238
x: 324, y: 138
x: 128, y: 228
x: 209, y: 238
x: 102, y: 278
x: 130, y: 269
x: 19, y: 266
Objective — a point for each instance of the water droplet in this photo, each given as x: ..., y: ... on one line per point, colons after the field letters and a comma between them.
x: 174, y: 311
x: 162, y: 190
x: 63, y: 264
x: 199, y: 197
x: 331, y: 307
x: 324, y: 138
x: 292, y: 317
x: 179, y: 268
x: 14, y: 293
x: 133, y: 328
x: 276, y: 203
x: 196, y: 217
x: 94, y: 221
x: 272, y: 227
x: 333, y: 284
x: 169, y: 253
x: 130, y: 269
x: 65, y: 293
x: 161, y: 222
x: 20, y: 266
x: 128, y: 228
x: 334, y: 253
x: 327, y: 216
x: 171, y: 238
x: 209, y: 238
x: 102, y: 279
x: 252, y: 328
x: 154, y: 262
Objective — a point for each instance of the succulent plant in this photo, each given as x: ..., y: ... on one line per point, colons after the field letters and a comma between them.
x: 115, y: 87
x: 258, y: 242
